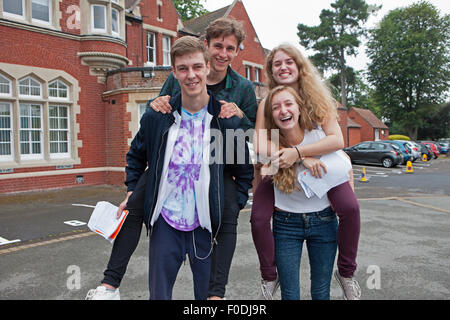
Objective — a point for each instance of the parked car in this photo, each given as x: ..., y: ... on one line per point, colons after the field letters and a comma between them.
x: 406, y: 154
x: 425, y: 149
x: 412, y: 149
x: 374, y: 152
x: 400, y: 154
x: 444, y: 146
x: 433, y: 147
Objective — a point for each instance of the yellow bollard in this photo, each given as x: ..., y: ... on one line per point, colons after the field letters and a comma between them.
x: 424, y: 158
x: 409, y: 167
x: 363, y: 175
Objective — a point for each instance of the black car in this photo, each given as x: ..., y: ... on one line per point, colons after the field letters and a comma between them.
x: 374, y: 152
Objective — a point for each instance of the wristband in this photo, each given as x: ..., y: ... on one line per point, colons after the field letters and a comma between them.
x: 300, y: 158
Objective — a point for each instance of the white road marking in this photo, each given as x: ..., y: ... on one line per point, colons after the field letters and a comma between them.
x: 4, y: 241
x: 75, y: 223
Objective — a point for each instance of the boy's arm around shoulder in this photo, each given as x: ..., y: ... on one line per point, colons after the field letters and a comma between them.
x: 169, y: 88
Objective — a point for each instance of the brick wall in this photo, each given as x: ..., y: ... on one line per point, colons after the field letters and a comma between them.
x: 367, y: 131
x: 68, y: 9
x: 136, y: 42
x: 36, y: 49
x: 354, y: 136
x: 253, y: 51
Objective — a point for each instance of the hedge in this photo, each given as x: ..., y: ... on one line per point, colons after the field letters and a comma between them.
x: 399, y: 137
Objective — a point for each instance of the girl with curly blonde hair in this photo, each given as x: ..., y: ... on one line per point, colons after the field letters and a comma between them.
x: 286, y: 66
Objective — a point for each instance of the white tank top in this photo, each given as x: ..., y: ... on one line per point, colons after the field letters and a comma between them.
x: 296, y: 201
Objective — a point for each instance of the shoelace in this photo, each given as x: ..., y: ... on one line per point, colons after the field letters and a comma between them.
x: 354, y: 287
x: 90, y: 294
x: 265, y: 290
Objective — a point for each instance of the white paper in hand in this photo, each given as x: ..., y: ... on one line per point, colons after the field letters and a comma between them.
x: 103, y: 220
x: 338, y: 167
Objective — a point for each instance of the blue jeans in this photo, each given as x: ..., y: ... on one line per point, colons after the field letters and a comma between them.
x: 319, y: 229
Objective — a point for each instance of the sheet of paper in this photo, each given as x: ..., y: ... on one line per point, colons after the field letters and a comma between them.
x: 338, y: 167
x: 103, y: 220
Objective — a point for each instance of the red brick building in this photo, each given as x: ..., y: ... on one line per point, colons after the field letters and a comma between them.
x: 74, y: 79
x: 371, y: 128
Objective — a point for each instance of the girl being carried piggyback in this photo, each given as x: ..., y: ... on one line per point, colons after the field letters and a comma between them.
x: 314, y: 132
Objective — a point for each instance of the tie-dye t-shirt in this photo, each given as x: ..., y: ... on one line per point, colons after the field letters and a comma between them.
x: 179, y: 209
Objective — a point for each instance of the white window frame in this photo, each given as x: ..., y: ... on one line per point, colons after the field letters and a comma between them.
x: 148, y: 47
x: 93, y: 28
x: 257, y: 72
x: 30, y: 86
x: 59, y: 155
x: 9, y: 157
x: 60, y: 85
x: 31, y: 156
x: 166, y: 47
x: 9, y: 94
x: 13, y: 15
x: 49, y: 22
x: 141, y: 110
x: 117, y: 33
x: 248, y: 71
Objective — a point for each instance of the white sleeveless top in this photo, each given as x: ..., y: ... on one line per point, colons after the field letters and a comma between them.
x: 296, y: 201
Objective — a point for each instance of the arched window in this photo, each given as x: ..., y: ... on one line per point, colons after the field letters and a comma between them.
x: 29, y: 87
x: 58, y: 89
x: 5, y: 86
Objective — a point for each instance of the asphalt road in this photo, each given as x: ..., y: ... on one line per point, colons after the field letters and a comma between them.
x: 404, y: 249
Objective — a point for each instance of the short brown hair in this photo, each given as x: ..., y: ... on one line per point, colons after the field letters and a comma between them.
x: 188, y: 44
x: 223, y: 27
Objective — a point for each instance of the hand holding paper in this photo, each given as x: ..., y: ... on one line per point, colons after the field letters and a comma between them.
x: 338, y: 167
x: 103, y: 220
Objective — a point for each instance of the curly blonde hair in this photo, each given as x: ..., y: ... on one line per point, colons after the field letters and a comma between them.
x: 313, y: 91
x: 313, y: 98
x: 284, y: 178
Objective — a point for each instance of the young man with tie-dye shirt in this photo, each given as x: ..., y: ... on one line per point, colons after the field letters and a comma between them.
x: 184, y: 192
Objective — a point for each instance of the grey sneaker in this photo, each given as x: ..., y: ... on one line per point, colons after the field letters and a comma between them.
x: 350, y: 287
x: 268, y: 289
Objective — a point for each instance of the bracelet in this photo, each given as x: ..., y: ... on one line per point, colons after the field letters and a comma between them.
x: 300, y: 158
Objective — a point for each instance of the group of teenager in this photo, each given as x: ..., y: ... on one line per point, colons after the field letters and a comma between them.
x: 190, y: 202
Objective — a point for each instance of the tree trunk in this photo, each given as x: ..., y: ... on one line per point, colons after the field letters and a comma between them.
x: 343, y: 80
x: 412, y: 132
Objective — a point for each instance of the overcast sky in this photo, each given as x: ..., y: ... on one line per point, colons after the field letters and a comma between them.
x: 275, y: 21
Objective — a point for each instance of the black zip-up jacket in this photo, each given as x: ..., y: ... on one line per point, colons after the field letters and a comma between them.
x: 148, y: 149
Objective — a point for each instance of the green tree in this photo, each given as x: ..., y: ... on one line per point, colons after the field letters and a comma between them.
x: 409, y: 66
x: 189, y: 9
x: 336, y: 36
x: 357, y: 90
x: 437, y: 123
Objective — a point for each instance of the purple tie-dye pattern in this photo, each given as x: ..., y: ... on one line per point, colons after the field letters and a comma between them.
x: 179, y: 209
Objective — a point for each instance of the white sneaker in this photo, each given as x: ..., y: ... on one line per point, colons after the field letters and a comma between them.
x: 268, y: 289
x: 350, y: 287
x: 103, y: 293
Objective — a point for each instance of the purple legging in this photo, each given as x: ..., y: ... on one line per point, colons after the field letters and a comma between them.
x: 344, y: 202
